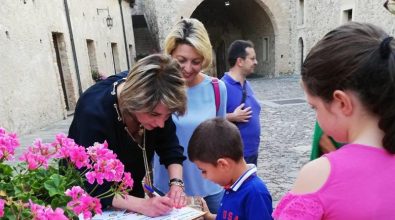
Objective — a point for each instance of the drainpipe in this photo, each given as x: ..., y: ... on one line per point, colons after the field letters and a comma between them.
x: 124, y: 35
x: 77, y: 71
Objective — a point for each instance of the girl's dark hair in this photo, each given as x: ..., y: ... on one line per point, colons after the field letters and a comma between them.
x: 358, y: 57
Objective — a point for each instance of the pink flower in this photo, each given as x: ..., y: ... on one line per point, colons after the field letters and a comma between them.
x: 58, y: 214
x: 105, y: 165
x: 38, y: 155
x: 127, y: 182
x: 102, y: 76
x: 46, y: 213
x: 79, y: 157
x: 8, y: 143
x: 2, y: 207
x: 75, y: 192
x: 42, y: 149
x: 105, y: 169
x: 83, y: 203
x: 91, y: 177
x: 34, y: 160
x: 63, y: 144
x: 100, y: 151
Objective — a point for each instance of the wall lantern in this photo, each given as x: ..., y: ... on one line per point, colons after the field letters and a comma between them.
x: 109, y: 20
x: 227, y: 3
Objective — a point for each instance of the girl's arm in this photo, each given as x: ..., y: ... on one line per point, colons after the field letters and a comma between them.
x: 312, y: 176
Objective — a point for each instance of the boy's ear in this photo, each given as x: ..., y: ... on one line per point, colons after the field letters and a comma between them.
x: 222, y: 163
x: 343, y: 101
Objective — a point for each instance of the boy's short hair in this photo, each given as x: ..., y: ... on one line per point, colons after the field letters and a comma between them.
x: 214, y: 139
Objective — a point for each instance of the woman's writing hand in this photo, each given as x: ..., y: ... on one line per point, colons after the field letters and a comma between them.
x: 178, y: 196
x: 157, y: 206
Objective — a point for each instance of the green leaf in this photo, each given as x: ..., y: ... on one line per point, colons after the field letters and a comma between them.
x: 7, y: 188
x: 8, y: 214
x: 19, y: 191
x: 26, y: 214
x: 60, y: 201
x: 55, y: 185
x: 5, y: 172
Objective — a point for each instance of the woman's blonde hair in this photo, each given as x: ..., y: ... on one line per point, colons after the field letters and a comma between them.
x: 192, y: 32
x: 154, y: 79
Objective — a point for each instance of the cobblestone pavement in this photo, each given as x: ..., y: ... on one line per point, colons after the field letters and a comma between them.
x: 287, y: 124
x: 286, y: 131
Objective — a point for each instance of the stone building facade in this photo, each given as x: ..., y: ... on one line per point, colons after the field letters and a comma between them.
x: 49, y: 49
x: 283, y: 31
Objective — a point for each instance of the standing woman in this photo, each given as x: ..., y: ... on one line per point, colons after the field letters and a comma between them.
x: 189, y: 44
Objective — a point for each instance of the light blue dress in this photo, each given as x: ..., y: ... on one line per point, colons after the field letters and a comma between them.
x: 201, y: 106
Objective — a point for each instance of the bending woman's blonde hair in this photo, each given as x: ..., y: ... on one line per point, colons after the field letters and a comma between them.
x: 154, y: 79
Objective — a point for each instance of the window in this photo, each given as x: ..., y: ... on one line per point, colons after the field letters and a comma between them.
x: 92, y: 56
x: 115, y: 58
x: 347, y: 16
x: 301, y: 12
x: 265, y: 48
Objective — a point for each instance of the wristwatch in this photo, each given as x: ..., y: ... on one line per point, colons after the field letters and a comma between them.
x: 176, y: 182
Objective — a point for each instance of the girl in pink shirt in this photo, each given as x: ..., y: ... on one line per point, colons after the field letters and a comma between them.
x: 349, y: 80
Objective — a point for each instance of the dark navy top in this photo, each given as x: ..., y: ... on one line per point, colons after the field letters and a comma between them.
x: 96, y: 120
x: 248, y: 198
x: 250, y: 131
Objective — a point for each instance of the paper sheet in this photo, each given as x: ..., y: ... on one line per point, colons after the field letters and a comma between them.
x: 185, y: 213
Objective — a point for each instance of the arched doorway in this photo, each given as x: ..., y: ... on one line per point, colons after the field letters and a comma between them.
x: 220, y: 55
x: 239, y: 20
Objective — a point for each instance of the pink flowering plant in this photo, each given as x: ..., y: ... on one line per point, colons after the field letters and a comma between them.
x: 37, y: 187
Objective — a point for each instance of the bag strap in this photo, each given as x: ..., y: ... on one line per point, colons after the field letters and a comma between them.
x: 244, y: 92
x: 217, y: 94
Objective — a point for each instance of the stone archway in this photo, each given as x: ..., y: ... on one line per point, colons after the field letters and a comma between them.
x: 252, y: 20
x: 264, y: 22
x: 240, y: 20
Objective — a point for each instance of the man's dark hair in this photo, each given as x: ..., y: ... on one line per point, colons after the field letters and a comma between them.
x: 238, y: 50
x: 214, y: 139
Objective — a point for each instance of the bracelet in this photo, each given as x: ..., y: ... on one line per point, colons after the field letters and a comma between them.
x: 176, y: 182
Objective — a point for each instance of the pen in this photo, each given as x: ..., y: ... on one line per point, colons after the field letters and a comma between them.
x: 151, y: 190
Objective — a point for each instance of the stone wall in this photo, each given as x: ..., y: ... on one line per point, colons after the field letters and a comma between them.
x: 277, y: 20
x: 322, y: 16
x: 271, y: 15
x: 31, y: 85
x: 162, y: 15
